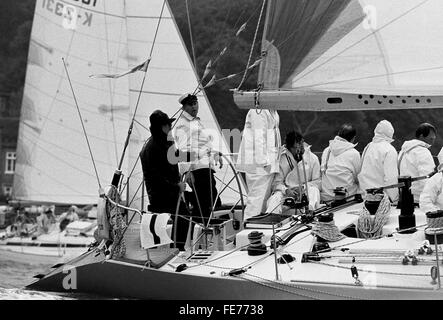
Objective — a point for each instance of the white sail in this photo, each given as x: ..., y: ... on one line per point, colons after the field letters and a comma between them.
x: 99, y: 38
x: 53, y: 161
x: 396, y: 49
x: 351, y: 55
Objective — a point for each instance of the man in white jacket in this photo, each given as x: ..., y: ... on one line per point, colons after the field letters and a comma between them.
x: 431, y: 199
x: 379, y: 161
x: 415, y: 159
x: 287, y: 181
x: 340, y: 164
x: 259, y: 157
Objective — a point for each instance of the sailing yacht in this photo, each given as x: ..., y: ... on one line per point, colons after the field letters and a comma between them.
x: 49, y: 240
x: 74, y: 123
x: 111, y: 38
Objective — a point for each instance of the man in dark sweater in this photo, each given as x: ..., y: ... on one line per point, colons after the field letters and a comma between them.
x: 162, y: 178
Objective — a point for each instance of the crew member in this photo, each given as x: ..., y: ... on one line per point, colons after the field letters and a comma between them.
x: 379, y: 161
x: 161, y: 174
x: 191, y: 136
x: 415, y: 159
x: 431, y: 198
x: 296, y: 158
x: 340, y: 164
x: 259, y: 157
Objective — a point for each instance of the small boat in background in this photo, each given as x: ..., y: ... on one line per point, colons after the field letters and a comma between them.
x: 61, y: 241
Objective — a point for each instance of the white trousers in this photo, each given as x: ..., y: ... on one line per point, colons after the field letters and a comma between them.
x: 259, y: 186
x: 275, y: 202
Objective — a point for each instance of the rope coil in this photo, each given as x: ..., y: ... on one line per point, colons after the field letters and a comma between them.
x: 370, y: 226
x: 326, y: 229
x: 435, y: 223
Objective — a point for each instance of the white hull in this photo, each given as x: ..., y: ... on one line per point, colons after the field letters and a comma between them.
x: 120, y: 279
x: 329, y: 278
x: 36, y: 255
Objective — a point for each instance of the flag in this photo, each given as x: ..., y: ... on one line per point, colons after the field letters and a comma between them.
x: 141, y: 67
x: 153, y: 231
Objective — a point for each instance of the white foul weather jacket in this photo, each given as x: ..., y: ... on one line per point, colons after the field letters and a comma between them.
x: 431, y: 199
x: 260, y: 146
x: 340, y: 166
x: 379, y: 166
x: 283, y: 180
x: 415, y: 160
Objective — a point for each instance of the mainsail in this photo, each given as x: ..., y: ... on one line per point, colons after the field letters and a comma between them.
x: 373, y: 54
x: 98, y: 37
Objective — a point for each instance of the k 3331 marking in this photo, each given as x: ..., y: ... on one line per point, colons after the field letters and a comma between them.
x: 70, y: 14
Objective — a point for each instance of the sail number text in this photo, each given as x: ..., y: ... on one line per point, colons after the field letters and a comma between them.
x: 70, y: 14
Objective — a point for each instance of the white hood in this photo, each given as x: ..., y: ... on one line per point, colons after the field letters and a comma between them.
x: 340, y: 145
x: 408, y: 145
x: 384, y: 131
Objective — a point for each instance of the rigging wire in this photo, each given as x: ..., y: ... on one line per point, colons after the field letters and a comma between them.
x: 83, y: 125
x: 111, y: 90
x: 365, y: 78
x: 191, y: 37
x: 362, y: 39
x: 212, y: 64
x: 141, y: 87
x: 253, y: 44
x: 235, y: 27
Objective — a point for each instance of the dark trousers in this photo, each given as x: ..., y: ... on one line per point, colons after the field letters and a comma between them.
x: 200, y: 198
x: 182, y: 226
